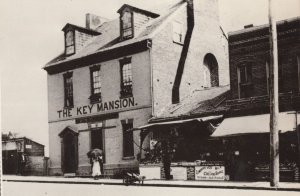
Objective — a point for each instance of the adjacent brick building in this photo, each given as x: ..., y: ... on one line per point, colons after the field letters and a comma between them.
x: 115, y: 75
x: 245, y: 129
x: 249, y: 56
x: 231, y: 125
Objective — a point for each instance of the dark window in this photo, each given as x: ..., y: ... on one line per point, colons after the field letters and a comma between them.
x: 245, y: 74
x: 126, y: 77
x: 95, y: 84
x: 97, y: 139
x: 298, y: 63
x: 245, y: 80
x: 268, y: 77
x: 210, y: 71
x: 68, y: 87
x: 126, y: 25
x: 70, y: 43
x: 128, y: 150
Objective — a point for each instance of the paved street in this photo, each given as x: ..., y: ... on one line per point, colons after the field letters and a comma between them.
x: 50, y: 189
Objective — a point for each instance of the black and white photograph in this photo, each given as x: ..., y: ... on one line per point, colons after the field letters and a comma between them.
x: 150, y: 97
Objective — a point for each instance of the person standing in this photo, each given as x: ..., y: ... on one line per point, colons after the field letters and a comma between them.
x: 101, y: 163
x: 96, y: 168
x: 22, y: 163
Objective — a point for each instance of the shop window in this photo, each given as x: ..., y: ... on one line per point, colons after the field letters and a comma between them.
x: 178, y: 32
x: 126, y: 25
x: 128, y: 148
x: 69, y: 43
x: 126, y: 77
x: 245, y: 80
x: 68, y: 88
x: 95, y: 84
x: 210, y: 71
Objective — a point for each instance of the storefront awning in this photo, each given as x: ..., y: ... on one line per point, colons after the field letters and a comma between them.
x: 178, y: 122
x: 254, y: 124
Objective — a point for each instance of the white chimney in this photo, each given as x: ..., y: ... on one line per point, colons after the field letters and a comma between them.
x: 93, y: 21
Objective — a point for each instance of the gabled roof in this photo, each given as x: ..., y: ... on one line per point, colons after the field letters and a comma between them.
x: 199, y: 103
x: 81, y: 29
x: 110, y: 37
x: 68, y: 129
x: 21, y: 138
x: 135, y: 9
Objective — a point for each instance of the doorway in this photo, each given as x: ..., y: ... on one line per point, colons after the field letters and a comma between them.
x: 69, y: 150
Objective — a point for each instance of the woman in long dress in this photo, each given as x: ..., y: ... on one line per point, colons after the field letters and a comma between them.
x: 96, y: 168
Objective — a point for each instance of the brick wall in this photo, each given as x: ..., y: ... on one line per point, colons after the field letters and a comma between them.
x: 252, y: 46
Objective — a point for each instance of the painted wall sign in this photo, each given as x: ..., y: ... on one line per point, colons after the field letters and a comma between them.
x: 99, y: 107
x: 28, y: 146
x: 210, y: 172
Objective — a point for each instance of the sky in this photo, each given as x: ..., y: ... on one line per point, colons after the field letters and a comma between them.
x: 31, y: 35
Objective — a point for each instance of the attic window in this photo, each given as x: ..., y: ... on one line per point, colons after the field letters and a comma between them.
x: 126, y: 25
x: 70, y: 43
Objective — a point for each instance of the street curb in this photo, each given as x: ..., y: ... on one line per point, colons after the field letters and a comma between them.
x: 163, y: 185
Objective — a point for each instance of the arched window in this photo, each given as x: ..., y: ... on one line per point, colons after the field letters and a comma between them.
x: 210, y: 71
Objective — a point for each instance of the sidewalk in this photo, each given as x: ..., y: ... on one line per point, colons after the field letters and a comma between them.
x: 283, y: 186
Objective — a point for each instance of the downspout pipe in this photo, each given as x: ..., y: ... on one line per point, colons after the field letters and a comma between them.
x: 184, y: 52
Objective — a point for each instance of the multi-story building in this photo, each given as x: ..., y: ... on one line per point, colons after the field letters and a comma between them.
x: 116, y: 74
x: 231, y: 125
x: 247, y: 113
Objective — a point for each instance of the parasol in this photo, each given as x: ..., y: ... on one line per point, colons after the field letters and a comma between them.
x: 94, y: 153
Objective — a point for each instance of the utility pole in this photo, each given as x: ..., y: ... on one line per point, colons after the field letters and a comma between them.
x: 274, y: 100
x: 298, y: 140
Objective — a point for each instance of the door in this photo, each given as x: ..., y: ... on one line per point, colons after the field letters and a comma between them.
x: 10, y: 162
x: 69, y: 153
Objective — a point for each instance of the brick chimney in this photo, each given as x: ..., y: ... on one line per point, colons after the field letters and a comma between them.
x: 93, y: 21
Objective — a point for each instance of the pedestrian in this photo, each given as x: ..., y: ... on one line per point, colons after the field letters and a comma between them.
x: 96, y: 168
x: 101, y: 163
x: 22, y: 161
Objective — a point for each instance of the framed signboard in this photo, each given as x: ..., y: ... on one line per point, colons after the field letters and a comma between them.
x: 210, y: 171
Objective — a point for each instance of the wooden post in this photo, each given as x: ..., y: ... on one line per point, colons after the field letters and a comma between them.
x: 298, y: 140
x: 274, y: 102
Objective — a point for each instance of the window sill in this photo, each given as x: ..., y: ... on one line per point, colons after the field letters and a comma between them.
x: 245, y: 84
x: 128, y: 158
x: 95, y: 98
x: 68, y: 107
x: 125, y: 96
x: 179, y: 43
